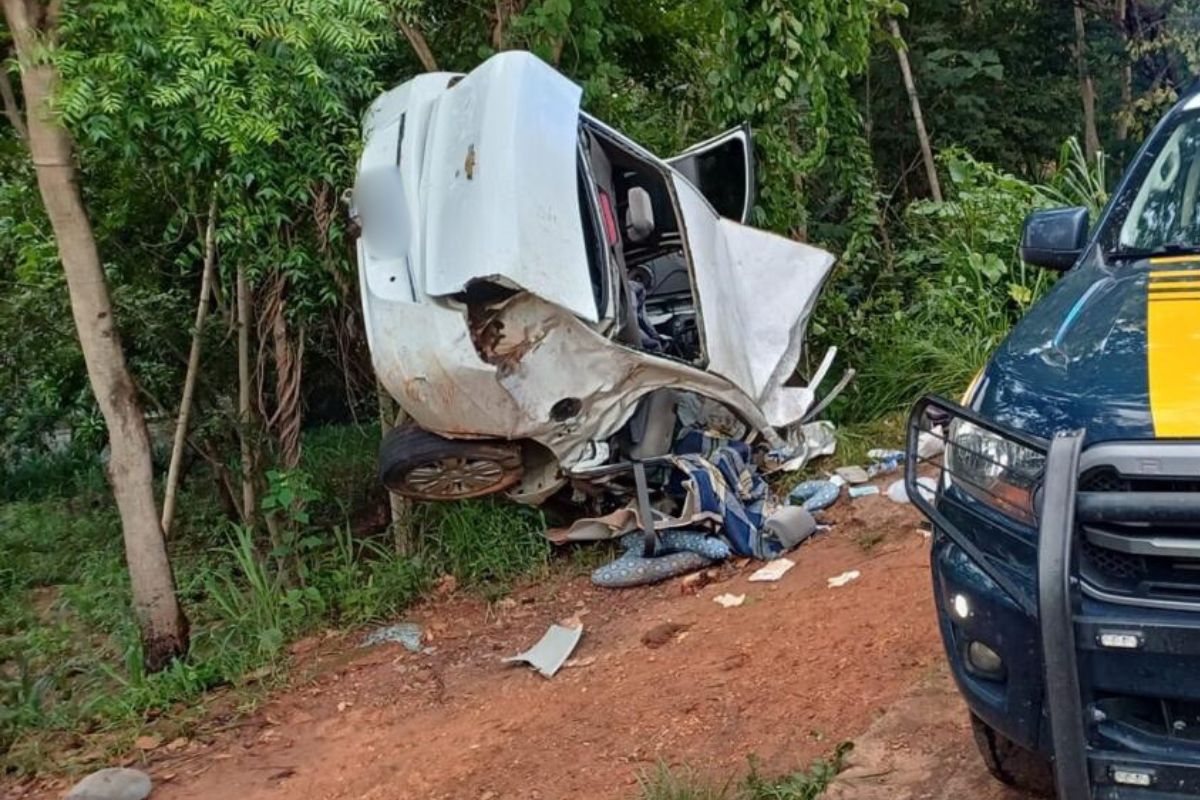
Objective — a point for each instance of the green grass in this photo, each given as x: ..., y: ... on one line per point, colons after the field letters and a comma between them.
x: 71, y: 674
x: 664, y: 783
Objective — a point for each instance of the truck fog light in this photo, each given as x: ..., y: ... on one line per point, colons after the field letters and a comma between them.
x: 1132, y: 777
x: 961, y: 607
x: 984, y: 658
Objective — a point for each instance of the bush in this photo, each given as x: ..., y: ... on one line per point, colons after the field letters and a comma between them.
x: 956, y: 284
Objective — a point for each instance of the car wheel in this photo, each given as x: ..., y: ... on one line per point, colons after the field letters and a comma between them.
x: 1012, y: 764
x: 422, y: 465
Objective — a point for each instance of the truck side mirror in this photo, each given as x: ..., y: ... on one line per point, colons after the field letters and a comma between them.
x: 1054, y: 238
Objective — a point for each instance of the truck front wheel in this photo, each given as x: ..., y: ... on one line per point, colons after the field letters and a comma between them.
x: 1011, y: 763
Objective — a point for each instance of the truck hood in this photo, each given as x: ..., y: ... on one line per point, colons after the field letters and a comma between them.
x: 1112, y: 349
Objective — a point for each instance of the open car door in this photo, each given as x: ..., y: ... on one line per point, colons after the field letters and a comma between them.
x: 722, y: 168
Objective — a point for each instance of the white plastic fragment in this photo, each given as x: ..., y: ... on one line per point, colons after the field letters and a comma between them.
x: 931, y: 443
x: 843, y: 579
x: 773, y: 571
x: 552, y: 651
x: 729, y: 600
x: 898, y: 492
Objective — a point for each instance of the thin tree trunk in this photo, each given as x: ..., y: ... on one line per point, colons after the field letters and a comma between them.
x: 164, y: 629
x: 419, y: 45
x: 288, y: 362
x: 11, y: 109
x: 1126, y: 110
x: 910, y: 86
x: 245, y: 409
x: 400, y: 508
x: 1087, y: 91
x: 193, y: 368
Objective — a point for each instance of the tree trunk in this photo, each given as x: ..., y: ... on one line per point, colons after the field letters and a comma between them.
x: 11, y: 109
x: 910, y: 86
x: 193, y: 368
x: 1091, y: 139
x: 419, y: 45
x: 164, y: 629
x: 400, y: 508
x: 245, y: 409
x: 1124, y: 114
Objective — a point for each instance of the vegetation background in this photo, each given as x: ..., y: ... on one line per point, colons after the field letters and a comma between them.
x: 213, y: 144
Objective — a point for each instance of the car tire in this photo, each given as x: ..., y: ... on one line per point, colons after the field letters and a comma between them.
x: 416, y: 463
x: 1012, y: 764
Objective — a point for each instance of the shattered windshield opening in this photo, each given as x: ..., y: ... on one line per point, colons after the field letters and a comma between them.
x: 1159, y: 211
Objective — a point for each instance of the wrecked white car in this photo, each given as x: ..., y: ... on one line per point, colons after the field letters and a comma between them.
x: 548, y: 301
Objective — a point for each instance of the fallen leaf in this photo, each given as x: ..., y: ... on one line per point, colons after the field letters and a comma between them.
x: 178, y: 744
x: 147, y: 742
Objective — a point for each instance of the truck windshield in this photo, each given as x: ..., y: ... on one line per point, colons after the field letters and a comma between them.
x: 1159, y: 211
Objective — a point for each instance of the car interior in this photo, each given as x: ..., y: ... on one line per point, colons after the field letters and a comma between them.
x: 639, y: 231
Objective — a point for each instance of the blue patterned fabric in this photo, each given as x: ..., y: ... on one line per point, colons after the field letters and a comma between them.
x: 683, y: 551
x: 731, y: 494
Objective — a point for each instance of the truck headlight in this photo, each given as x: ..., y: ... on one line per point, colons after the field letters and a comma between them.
x: 994, y: 470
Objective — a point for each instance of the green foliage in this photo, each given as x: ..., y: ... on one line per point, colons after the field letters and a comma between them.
x: 955, y: 287
x: 664, y: 783
x: 70, y: 657
x: 485, y: 542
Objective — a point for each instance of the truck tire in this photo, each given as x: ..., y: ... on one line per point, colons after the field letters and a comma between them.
x: 1012, y: 764
x: 416, y: 463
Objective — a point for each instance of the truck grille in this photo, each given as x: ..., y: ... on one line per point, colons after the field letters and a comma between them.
x: 1140, y: 560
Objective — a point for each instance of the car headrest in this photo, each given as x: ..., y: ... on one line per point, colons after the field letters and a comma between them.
x: 639, y: 216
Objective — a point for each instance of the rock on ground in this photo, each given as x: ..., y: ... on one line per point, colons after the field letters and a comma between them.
x: 115, y: 783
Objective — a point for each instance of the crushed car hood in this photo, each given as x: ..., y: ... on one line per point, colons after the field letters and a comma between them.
x: 1105, y: 353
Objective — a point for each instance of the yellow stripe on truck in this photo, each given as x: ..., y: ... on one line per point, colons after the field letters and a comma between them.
x: 1173, y: 355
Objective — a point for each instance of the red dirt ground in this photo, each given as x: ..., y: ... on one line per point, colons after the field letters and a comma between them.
x: 797, y: 669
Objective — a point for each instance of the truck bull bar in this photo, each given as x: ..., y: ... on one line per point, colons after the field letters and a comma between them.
x: 1063, y: 511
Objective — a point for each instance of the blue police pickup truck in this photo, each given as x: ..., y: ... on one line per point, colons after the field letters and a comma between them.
x: 1066, y: 514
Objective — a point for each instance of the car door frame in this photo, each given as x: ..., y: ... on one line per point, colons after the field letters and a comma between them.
x: 746, y: 136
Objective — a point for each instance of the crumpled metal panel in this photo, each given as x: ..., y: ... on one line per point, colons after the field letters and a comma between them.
x: 755, y: 292
x: 499, y: 191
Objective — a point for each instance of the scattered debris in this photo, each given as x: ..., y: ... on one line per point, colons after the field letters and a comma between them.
x: 729, y: 600
x: 817, y: 439
x: 931, y: 443
x: 549, y: 654
x: 662, y: 633
x: 408, y: 634
x: 852, y: 474
x: 773, y: 571
x: 573, y: 663
x: 114, y: 783
x: 884, y: 461
x: 790, y: 526
x: 690, y: 584
x: 815, y: 495
x: 863, y: 491
x: 844, y: 578
x: 898, y: 492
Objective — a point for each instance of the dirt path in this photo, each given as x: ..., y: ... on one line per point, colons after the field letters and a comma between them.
x: 921, y: 749
x: 784, y: 678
